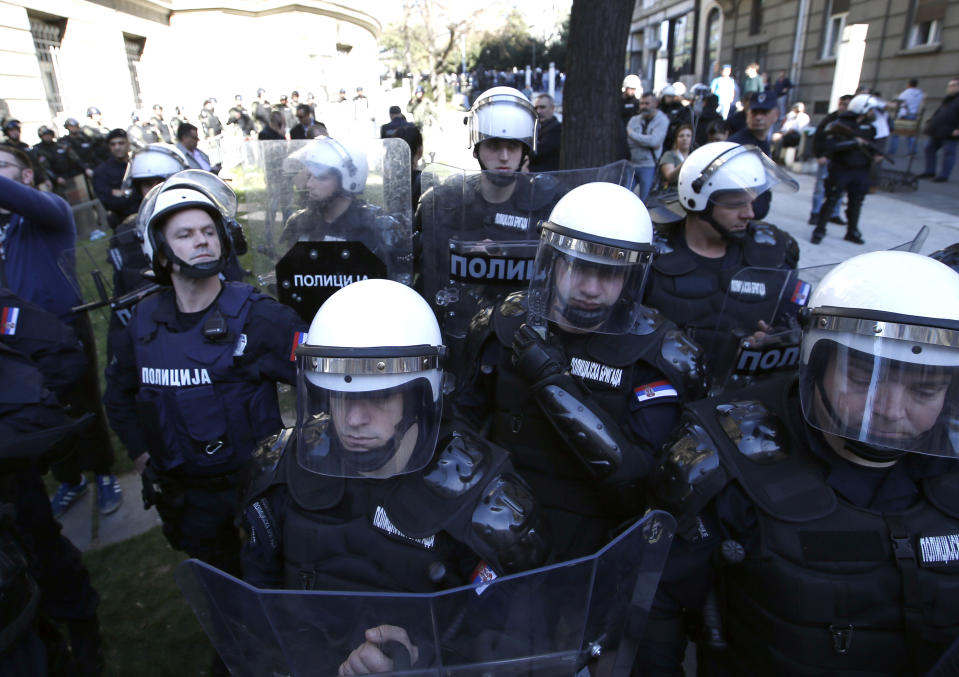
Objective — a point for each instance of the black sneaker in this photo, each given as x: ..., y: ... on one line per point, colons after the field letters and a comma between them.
x: 940, y: 179
x: 817, y: 236
x: 925, y: 175
x: 855, y: 237
x: 838, y: 220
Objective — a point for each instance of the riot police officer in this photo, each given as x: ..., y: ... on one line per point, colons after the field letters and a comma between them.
x: 825, y: 504
x: 191, y: 384
x: 333, y: 175
x: 366, y: 495
x: 209, y: 122
x: 12, y: 131
x: 59, y: 159
x: 42, y: 576
x: 465, y: 221
x: 848, y: 144
x: 91, y: 150
x: 576, y: 378
x: 698, y: 257
x: 159, y: 125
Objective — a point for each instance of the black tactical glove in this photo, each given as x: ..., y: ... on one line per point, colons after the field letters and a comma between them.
x: 534, y: 358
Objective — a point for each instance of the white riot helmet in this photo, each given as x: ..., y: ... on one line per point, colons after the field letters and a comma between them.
x: 593, y: 256
x: 369, y: 383
x: 155, y: 161
x: 727, y: 174
x: 347, y: 160
x: 863, y: 103
x: 503, y: 113
x: 633, y: 82
x: 191, y: 188
x: 880, y: 356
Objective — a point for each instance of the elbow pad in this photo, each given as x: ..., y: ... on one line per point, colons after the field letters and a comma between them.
x: 508, y: 528
x: 586, y: 429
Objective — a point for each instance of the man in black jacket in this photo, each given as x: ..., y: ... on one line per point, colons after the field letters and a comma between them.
x: 943, y: 131
x: 819, y: 191
x: 549, y: 136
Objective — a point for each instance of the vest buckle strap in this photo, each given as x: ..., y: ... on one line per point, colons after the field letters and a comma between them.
x: 213, y: 447
x: 902, y: 548
x: 841, y: 638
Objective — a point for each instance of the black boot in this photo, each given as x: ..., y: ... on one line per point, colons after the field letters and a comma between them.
x: 853, y: 235
x: 818, y: 234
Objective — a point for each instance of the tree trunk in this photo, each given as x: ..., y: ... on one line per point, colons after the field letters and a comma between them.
x: 595, y: 64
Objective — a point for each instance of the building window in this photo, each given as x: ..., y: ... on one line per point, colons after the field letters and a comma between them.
x: 681, y: 39
x: 134, y: 46
x: 756, y: 17
x: 836, y: 14
x: 925, y: 22
x: 47, y: 34
x: 711, y: 55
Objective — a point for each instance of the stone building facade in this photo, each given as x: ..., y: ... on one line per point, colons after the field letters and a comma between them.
x: 57, y: 57
x: 827, y: 47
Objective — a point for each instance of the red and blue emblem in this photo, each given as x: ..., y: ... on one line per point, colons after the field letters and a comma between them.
x: 655, y: 391
x: 298, y: 338
x: 8, y: 321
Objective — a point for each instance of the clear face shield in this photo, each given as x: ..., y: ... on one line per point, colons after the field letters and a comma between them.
x: 588, y: 285
x: 740, y: 175
x: 362, y: 414
x: 889, y: 385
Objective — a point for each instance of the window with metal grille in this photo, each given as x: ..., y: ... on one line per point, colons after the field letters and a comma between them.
x: 47, y: 33
x: 134, y: 46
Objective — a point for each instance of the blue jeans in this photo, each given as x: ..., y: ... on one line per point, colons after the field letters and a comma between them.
x: 948, y: 157
x: 646, y: 176
x: 819, y: 192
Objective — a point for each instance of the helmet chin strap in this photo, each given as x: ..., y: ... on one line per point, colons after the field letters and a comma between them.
x: 586, y: 319
x: 196, y: 272
x: 725, y: 234
x: 867, y: 452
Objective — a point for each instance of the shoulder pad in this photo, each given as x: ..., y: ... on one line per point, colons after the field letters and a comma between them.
x: 943, y: 492
x: 538, y: 192
x: 755, y: 431
x: 678, y: 261
x: 688, y: 475
x: 766, y: 246
x: 508, y: 316
x: 661, y: 241
x: 261, y: 471
x: 648, y: 321
x: 508, y: 528
x: 681, y: 360
x: 233, y: 297
x: 461, y: 463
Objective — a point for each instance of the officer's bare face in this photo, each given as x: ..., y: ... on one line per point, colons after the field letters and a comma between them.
x: 759, y: 121
x: 323, y: 185
x: 502, y: 155
x: 588, y: 287
x: 192, y: 236
x: 897, y: 402
x: 733, y: 211
x: 366, y: 423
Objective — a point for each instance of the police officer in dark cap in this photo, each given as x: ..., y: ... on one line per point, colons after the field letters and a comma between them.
x: 824, y: 505
x: 367, y: 494
x: 578, y: 379
x: 762, y: 112
x: 699, y: 257
x: 159, y: 124
x: 90, y: 150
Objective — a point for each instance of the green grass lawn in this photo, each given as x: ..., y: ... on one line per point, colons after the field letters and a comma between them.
x: 148, y: 628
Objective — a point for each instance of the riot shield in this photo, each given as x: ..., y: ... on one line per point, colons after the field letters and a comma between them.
x: 476, y: 251
x: 551, y: 621
x: 298, y: 252
x: 739, y: 353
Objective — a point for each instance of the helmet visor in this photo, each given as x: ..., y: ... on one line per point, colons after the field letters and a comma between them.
x: 893, y: 390
x: 584, y: 285
x: 362, y: 425
x: 740, y: 174
x: 210, y: 185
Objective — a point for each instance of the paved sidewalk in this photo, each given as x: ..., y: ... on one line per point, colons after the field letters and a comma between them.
x: 89, y: 530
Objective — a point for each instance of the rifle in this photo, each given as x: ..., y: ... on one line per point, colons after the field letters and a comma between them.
x: 869, y: 147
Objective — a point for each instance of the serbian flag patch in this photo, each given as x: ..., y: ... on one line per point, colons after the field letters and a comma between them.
x: 655, y: 391
x: 801, y: 293
x: 483, y: 575
x: 8, y: 321
x: 298, y: 338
